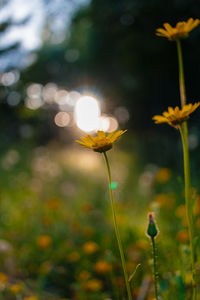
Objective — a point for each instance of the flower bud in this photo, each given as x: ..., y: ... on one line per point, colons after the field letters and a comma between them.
x: 152, y: 230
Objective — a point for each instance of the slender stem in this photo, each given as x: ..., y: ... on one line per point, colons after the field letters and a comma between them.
x: 117, y: 230
x: 188, y: 199
x: 155, y: 268
x: 181, y: 74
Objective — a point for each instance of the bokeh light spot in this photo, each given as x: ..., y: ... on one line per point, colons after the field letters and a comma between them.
x: 62, y: 119
x: 87, y: 113
x: 113, y: 185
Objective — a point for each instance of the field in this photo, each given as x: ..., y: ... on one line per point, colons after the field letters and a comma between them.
x: 57, y: 237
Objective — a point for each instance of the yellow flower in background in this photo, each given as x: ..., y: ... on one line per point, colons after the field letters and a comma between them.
x: 44, y: 241
x: 93, y: 285
x: 103, y: 267
x: 180, y: 212
x: 31, y: 298
x: 90, y: 247
x: 180, y: 31
x: 183, y: 236
x: 101, y: 143
x: 15, y: 288
x: 53, y: 204
x: 163, y: 175
x: 3, y: 278
x: 175, y: 116
x: 165, y: 200
x: 84, y: 275
x: 73, y: 256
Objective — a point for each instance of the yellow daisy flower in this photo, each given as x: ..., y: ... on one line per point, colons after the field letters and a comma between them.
x: 175, y: 116
x: 180, y: 31
x: 100, y: 143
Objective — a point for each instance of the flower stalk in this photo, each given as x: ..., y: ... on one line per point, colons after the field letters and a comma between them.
x: 181, y: 73
x: 155, y: 268
x: 188, y: 202
x: 117, y: 230
x: 186, y: 158
x: 152, y: 232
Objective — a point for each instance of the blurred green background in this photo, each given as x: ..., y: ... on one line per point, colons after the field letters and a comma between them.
x: 72, y: 67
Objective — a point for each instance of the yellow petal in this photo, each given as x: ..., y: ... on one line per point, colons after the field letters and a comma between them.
x: 82, y: 144
x: 111, y: 134
x: 168, y: 27
x: 117, y: 135
x: 101, y: 134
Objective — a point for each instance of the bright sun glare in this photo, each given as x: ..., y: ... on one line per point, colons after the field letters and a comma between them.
x: 87, y: 113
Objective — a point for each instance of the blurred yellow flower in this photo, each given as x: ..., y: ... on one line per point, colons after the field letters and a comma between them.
x: 84, y: 275
x: 93, y: 285
x: 15, y: 288
x: 175, y: 116
x: 101, y: 143
x: 44, y: 241
x: 73, y: 256
x: 181, y: 211
x: 3, y: 278
x: 188, y: 278
x: 180, y: 31
x: 163, y: 175
x: 31, y: 298
x: 103, y: 267
x: 183, y: 236
x: 165, y: 200
x: 90, y: 247
x: 53, y: 203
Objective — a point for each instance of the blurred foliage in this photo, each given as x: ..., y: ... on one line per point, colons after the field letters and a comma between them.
x: 113, y: 48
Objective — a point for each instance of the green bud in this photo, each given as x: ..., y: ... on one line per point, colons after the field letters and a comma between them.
x: 152, y: 230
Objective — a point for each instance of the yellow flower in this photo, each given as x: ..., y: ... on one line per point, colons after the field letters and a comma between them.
x: 73, y: 256
x: 103, y: 267
x: 175, y: 116
x: 165, y: 200
x: 101, y: 143
x: 180, y: 212
x: 44, y: 241
x: 183, y: 236
x: 53, y: 204
x: 93, y: 285
x: 31, y: 298
x: 163, y: 175
x: 180, y: 31
x: 3, y: 278
x: 84, y: 275
x: 90, y: 247
x: 15, y: 288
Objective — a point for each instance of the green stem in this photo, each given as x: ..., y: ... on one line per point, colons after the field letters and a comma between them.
x: 188, y: 199
x: 117, y: 230
x: 181, y: 74
x: 155, y: 268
